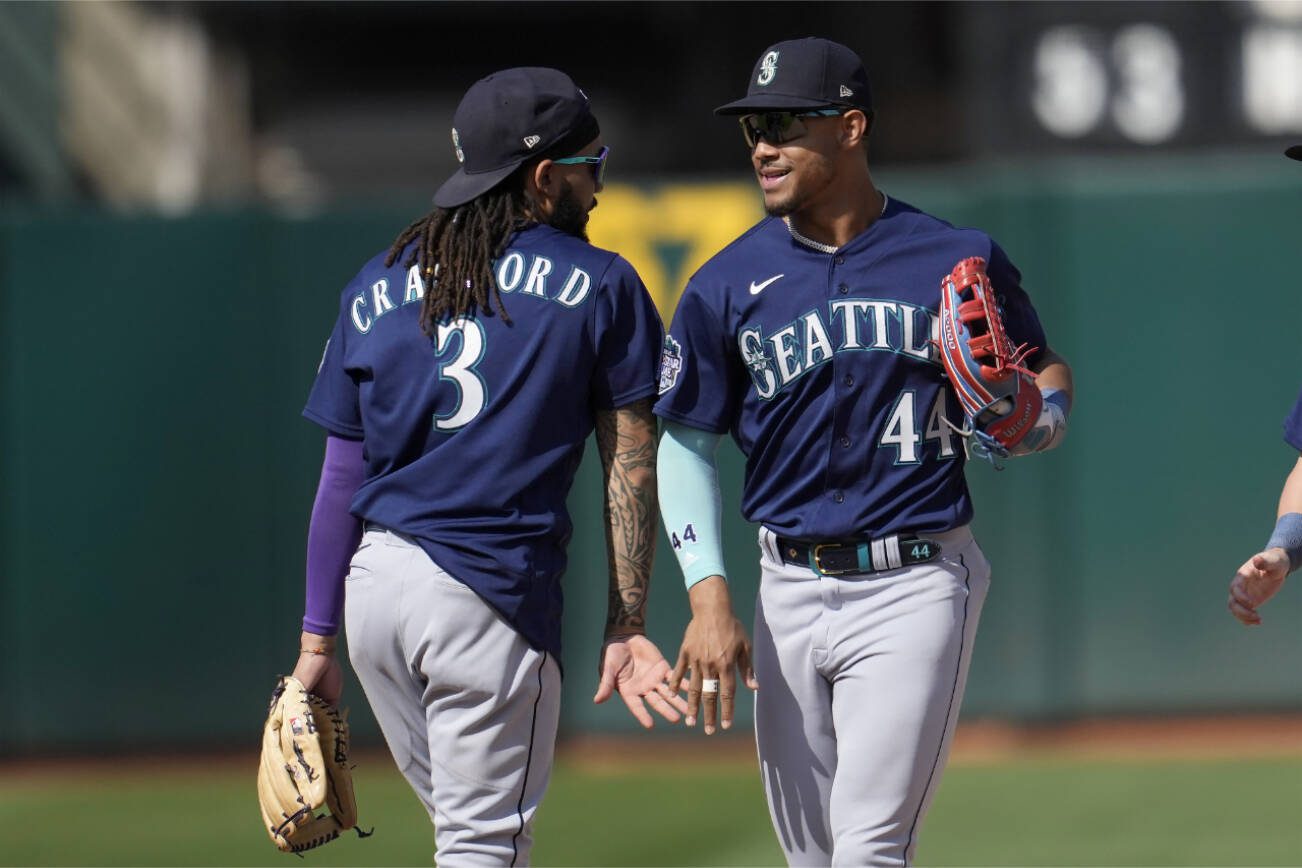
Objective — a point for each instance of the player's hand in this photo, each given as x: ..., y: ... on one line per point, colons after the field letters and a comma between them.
x: 715, y: 646
x: 1256, y: 582
x: 634, y: 666
x: 320, y: 673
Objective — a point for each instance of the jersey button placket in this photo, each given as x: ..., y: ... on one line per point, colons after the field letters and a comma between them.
x: 831, y: 595
x: 837, y: 458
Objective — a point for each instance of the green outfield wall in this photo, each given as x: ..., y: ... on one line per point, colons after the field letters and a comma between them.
x: 157, y: 476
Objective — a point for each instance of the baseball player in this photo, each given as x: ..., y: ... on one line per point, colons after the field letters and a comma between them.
x: 810, y: 340
x: 1263, y: 574
x: 467, y: 367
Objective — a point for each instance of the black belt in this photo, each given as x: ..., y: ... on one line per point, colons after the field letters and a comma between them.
x: 841, y: 558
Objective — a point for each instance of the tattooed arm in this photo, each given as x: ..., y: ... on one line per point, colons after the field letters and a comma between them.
x: 630, y: 664
x: 626, y: 439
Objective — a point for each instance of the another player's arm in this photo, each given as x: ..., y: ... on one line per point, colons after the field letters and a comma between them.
x: 627, y: 444
x: 630, y: 663
x: 332, y: 537
x: 715, y: 642
x: 1262, y: 575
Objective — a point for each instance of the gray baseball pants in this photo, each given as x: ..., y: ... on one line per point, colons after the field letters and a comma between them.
x: 861, y: 678
x: 468, y: 708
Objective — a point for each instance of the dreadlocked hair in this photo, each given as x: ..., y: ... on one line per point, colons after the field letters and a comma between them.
x: 455, y: 250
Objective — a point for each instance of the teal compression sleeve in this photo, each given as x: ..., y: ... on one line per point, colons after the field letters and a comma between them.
x: 690, y: 504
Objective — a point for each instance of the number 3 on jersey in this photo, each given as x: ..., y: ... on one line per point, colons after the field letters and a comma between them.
x: 471, y: 393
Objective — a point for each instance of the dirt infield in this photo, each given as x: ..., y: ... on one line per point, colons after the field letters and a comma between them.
x: 977, y: 742
x: 1134, y: 738
x: 985, y: 742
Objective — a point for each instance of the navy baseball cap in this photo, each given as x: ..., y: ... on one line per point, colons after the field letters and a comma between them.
x: 509, y: 118
x: 1295, y: 152
x: 805, y: 73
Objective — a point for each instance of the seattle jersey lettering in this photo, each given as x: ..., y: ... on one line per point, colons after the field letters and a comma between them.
x: 781, y: 357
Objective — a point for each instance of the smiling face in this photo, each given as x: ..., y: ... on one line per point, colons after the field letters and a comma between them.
x: 795, y: 174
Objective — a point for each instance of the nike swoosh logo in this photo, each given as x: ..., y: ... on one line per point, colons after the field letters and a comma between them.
x: 757, y: 288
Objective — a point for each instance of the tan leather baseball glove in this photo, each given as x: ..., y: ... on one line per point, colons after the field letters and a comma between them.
x: 304, y: 768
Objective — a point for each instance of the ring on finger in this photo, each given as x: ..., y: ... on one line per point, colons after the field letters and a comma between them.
x: 709, y: 685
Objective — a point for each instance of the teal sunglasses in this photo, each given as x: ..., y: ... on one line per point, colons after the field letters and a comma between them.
x: 778, y: 127
x: 598, y: 163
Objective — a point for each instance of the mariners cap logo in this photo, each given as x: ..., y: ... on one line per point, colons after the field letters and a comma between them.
x: 845, y: 91
x: 530, y: 141
x: 768, y: 68
x: 456, y: 144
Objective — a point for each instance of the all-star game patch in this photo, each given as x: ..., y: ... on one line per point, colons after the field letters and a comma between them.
x: 671, y: 362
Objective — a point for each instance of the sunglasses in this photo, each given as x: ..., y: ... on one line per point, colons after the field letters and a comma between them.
x: 778, y: 127
x: 598, y: 163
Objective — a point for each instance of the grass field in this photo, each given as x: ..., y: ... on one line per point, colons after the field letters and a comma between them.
x: 1042, y: 811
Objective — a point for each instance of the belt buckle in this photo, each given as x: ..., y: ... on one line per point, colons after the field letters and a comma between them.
x: 818, y: 564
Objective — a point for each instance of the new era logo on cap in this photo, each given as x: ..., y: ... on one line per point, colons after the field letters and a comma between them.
x: 530, y: 141
x: 845, y: 91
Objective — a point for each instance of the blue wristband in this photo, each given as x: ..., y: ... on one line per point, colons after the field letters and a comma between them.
x: 1060, y: 399
x: 1288, y: 536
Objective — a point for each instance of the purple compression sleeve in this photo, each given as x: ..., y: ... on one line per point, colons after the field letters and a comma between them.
x: 333, y: 535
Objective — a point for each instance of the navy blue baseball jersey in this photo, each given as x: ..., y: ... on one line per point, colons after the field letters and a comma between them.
x: 821, y: 365
x: 473, y: 436
x: 1293, y: 426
